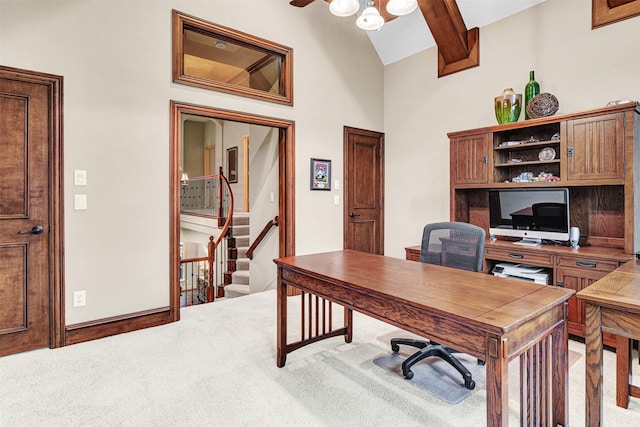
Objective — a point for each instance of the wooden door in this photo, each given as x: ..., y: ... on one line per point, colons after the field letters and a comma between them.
x: 363, y: 190
x: 595, y: 148
x: 29, y: 131
x: 469, y: 159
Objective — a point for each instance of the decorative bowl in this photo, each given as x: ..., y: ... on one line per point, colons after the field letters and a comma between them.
x: 542, y: 105
x: 508, y: 106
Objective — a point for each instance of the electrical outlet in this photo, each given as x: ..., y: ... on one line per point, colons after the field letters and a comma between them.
x: 79, y: 298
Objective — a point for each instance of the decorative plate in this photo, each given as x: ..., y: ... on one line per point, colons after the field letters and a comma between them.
x: 547, y: 153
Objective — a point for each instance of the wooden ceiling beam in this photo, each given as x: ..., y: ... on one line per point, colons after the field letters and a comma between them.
x: 458, y: 48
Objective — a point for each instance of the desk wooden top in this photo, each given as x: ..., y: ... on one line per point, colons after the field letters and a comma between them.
x: 477, y: 299
x: 619, y: 289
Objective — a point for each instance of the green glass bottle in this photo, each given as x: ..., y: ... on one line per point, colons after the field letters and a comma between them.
x: 530, y: 90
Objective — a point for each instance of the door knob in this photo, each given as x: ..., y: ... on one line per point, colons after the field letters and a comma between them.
x: 351, y: 214
x: 37, y: 229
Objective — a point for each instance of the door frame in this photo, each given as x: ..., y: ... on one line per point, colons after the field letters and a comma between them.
x: 286, y: 184
x: 54, y: 85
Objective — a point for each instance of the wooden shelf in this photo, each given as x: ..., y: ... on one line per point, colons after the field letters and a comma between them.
x: 526, y: 145
x: 533, y: 162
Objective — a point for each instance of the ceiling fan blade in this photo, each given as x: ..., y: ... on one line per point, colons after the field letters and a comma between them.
x: 300, y: 3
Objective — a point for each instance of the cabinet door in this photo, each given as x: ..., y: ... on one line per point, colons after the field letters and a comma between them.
x: 469, y: 159
x: 595, y: 148
x: 576, y: 279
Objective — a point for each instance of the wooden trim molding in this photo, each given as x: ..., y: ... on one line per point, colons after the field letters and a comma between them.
x: 101, y: 328
x: 273, y: 51
x: 605, y: 12
x: 286, y: 185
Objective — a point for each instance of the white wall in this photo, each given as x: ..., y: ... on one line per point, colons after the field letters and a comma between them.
x: 583, y: 68
x: 263, y: 167
x: 115, y: 57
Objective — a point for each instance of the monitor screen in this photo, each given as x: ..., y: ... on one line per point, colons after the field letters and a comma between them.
x: 534, y: 214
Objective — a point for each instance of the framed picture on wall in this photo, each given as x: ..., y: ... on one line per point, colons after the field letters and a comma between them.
x: 232, y: 164
x: 320, y: 174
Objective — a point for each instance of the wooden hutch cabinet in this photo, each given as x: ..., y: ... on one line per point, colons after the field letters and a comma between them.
x: 593, y: 153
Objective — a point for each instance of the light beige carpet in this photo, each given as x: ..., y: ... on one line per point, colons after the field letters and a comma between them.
x: 217, y: 367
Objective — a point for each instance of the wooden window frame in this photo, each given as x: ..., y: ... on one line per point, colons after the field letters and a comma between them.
x: 605, y: 12
x: 181, y: 20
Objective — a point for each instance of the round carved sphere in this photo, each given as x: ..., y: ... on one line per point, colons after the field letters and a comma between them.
x: 542, y: 105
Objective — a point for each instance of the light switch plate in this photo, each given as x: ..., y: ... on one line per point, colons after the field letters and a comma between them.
x: 80, y: 202
x: 80, y: 177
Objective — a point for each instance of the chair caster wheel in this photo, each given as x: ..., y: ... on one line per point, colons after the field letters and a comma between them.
x: 395, y: 348
x: 471, y: 384
x: 408, y: 375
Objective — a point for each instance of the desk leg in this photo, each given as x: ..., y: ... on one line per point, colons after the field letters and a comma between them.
x: 348, y: 323
x: 593, y: 371
x: 497, y: 377
x: 560, y: 374
x: 281, y: 322
x: 623, y: 362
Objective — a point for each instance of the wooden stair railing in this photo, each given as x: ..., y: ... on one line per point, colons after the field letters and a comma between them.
x: 261, y: 236
x: 213, y: 245
x: 225, y: 220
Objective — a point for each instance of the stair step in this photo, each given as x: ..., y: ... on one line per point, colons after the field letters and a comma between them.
x: 240, y: 219
x: 240, y: 230
x: 242, y: 252
x: 242, y: 241
x: 235, y: 290
x: 240, y: 277
x: 242, y: 264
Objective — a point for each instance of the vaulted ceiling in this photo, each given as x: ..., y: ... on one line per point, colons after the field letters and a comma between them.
x: 452, y: 25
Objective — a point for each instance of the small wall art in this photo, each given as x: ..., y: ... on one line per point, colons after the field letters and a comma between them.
x: 320, y: 174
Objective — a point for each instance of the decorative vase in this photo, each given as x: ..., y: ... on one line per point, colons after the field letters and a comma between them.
x: 530, y: 90
x: 507, y: 106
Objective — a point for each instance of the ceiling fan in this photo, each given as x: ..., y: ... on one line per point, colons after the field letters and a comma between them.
x: 381, y: 6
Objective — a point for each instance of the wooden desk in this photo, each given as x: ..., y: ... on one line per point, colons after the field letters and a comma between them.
x: 612, y: 305
x: 493, y: 319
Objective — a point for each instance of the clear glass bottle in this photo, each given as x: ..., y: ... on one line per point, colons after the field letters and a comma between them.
x: 530, y: 90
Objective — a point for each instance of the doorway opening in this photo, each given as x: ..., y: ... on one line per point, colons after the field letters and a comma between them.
x: 285, y: 170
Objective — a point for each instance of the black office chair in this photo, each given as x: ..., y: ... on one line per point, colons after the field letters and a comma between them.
x: 549, y: 216
x: 451, y: 244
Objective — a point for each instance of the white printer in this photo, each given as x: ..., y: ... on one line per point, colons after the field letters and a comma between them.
x: 529, y: 273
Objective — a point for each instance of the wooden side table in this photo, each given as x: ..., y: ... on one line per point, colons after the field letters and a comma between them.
x: 612, y: 304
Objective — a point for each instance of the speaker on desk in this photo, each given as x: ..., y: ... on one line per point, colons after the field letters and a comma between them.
x: 574, y: 237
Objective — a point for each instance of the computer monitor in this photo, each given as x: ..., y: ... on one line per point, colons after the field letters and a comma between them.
x: 533, y: 214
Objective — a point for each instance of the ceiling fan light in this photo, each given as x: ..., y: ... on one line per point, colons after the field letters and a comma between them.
x: 370, y: 19
x: 401, y: 7
x: 344, y: 7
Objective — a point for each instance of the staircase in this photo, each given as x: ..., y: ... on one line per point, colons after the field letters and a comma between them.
x: 237, y: 275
